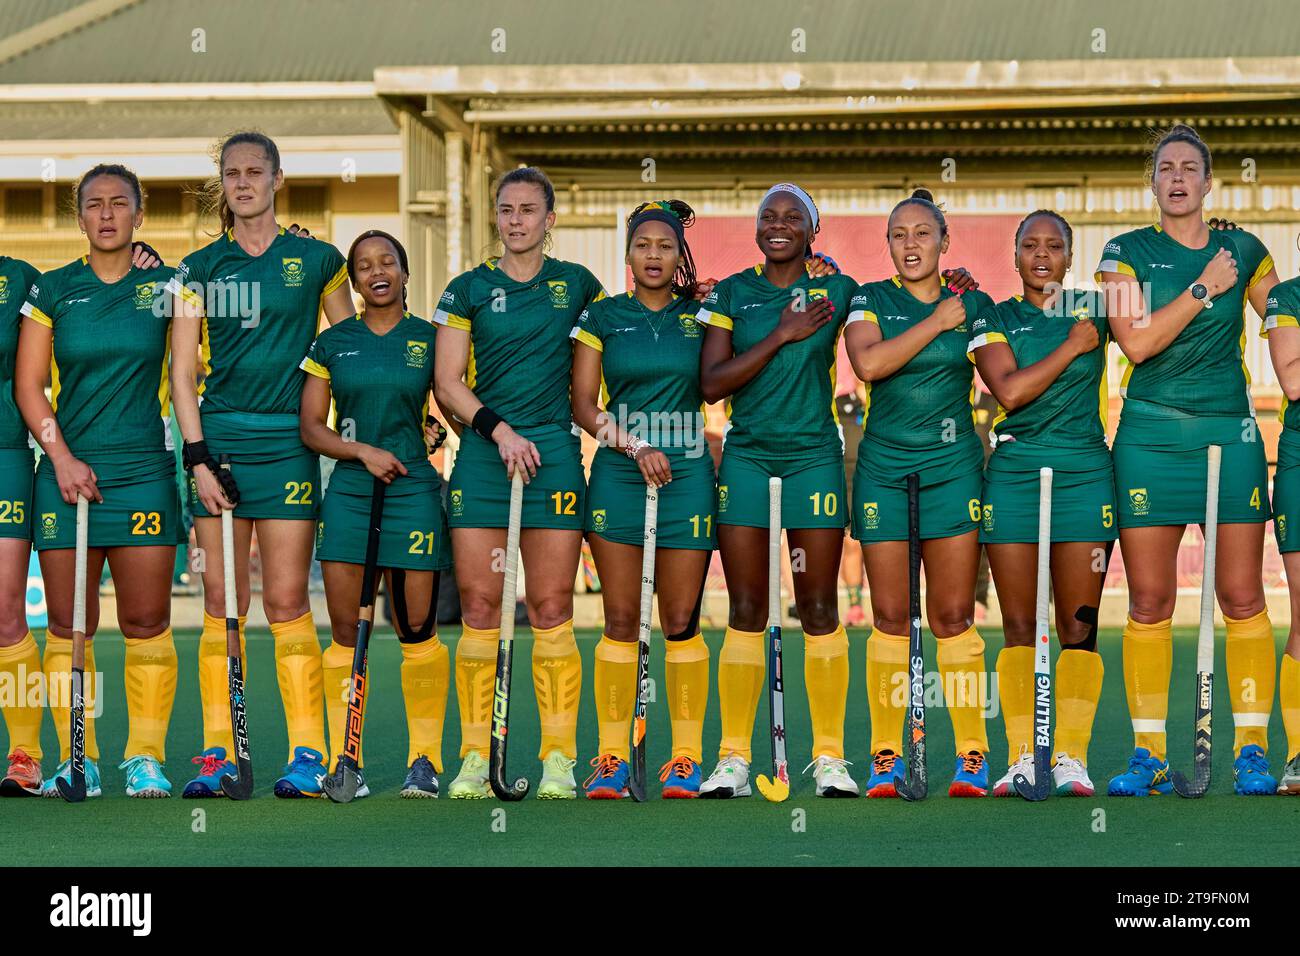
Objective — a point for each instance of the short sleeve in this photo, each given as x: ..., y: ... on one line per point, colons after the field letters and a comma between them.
x: 862, y: 307
x: 1283, y: 308
x: 454, y: 305
x: 592, y: 290
x: 986, y: 329
x: 186, y: 280
x: 1252, y: 256
x: 42, y: 301
x: 1116, y: 257
x: 716, y: 308
x: 333, y: 269
x: 590, y: 330
x: 316, y: 361
x: 30, y: 275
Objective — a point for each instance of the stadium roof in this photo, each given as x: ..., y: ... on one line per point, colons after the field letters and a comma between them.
x: 150, y: 41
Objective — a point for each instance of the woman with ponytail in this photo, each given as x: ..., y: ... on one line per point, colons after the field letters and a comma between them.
x: 247, y: 307
x: 1176, y: 295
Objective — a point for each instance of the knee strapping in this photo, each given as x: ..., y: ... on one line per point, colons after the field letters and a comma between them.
x: 402, y: 620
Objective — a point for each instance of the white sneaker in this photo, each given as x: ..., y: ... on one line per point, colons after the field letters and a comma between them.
x: 1070, y: 777
x: 1005, y: 787
x: 730, y: 778
x: 557, y: 778
x: 832, y: 777
x: 1290, y: 782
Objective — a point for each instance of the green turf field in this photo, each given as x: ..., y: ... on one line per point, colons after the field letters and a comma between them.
x: 804, y: 831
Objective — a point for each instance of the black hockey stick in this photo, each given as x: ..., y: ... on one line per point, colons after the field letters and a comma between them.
x: 914, y: 785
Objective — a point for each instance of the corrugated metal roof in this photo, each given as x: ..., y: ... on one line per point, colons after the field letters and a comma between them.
x: 342, y: 40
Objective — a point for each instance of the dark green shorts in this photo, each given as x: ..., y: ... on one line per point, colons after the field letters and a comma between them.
x: 812, y: 491
x: 1083, y: 494
x: 952, y: 478
x: 413, y: 530
x: 480, y: 489
x: 1160, y: 465
x: 616, y: 502
x: 17, y: 473
x: 140, y: 504
x: 1286, y: 492
x: 278, y: 476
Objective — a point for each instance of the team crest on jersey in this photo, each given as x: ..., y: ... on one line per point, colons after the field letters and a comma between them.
x: 4, y: 289
x: 291, y: 270
x: 815, y: 294
x: 417, y: 354
x: 1281, y: 528
x: 722, y: 498
x: 49, y: 525
x: 871, y: 515
x: 559, y: 293
x: 598, y: 519
x: 144, y: 295
x: 1139, y: 502
x: 690, y: 328
x: 457, y: 502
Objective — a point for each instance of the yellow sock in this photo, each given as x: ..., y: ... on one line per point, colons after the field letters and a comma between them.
x: 1148, y: 661
x: 58, y: 672
x: 614, y: 687
x: 336, y: 673
x: 1016, y: 691
x: 214, y: 682
x: 961, y: 662
x: 150, y: 675
x: 298, y: 671
x: 426, y: 675
x: 686, y: 672
x: 557, y: 681
x: 1078, y: 688
x: 826, y: 675
x: 742, y: 670
x: 886, y: 689
x: 1252, y: 664
x: 476, y: 662
x: 20, y: 666
x: 1289, y: 694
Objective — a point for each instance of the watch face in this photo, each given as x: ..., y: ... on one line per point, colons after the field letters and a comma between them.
x: 1199, y: 291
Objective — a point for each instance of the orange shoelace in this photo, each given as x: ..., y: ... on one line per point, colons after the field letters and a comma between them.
x: 972, y: 762
x: 679, y: 767
x: 606, y: 766
x: 18, y: 760
x: 883, y: 762
x: 209, y: 764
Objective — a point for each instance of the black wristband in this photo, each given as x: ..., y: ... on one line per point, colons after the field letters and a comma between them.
x: 485, y: 420
x: 195, y: 453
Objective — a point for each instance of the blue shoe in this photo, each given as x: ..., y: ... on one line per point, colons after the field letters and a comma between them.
x: 886, y: 768
x: 144, y: 777
x: 1146, y: 776
x: 1250, y: 773
x: 213, y: 765
x: 302, y: 777
x: 609, y: 780
x: 93, y: 786
x: 681, y: 779
x: 971, y: 776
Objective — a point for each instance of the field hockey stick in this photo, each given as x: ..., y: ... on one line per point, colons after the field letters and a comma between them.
x: 636, y: 786
x: 914, y: 785
x: 74, y: 789
x: 1205, y: 641
x: 778, y: 788
x: 240, y: 786
x: 505, y: 652
x: 1039, y: 789
x: 342, y: 786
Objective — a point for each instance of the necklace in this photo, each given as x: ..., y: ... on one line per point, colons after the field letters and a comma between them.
x: 650, y: 316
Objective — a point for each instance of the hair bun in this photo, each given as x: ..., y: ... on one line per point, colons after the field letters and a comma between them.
x: 923, y: 194
x: 1183, y: 129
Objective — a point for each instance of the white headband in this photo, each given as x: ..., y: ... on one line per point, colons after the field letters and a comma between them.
x: 804, y: 200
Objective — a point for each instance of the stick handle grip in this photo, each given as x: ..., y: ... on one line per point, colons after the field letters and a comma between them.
x: 773, y: 552
x: 1044, y: 590
x: 79, y: 584
x: 1205, y: 637
x: 511, y: 575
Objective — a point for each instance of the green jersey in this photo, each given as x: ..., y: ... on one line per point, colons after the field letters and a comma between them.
x: 1201, y: 371
x: 260, y: 315
x: 520, y: 356
x: 787, y: 411
x: 1072, y: 410
x: 1283, y: 311
x: 16, y: 278
x: 108, y: 374
x: 650, y: 368
x: 927, y: 402
x: 380, y: 383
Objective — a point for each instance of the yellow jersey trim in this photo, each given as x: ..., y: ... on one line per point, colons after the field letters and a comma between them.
x: 586, y: 338
x: 1264, y: 269
x: 706, y: 317
x: 312, y: 367
x: 37, y: 316
x: 340, y: 277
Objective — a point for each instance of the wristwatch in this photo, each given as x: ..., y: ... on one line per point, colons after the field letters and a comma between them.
x: 1201, y: 295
